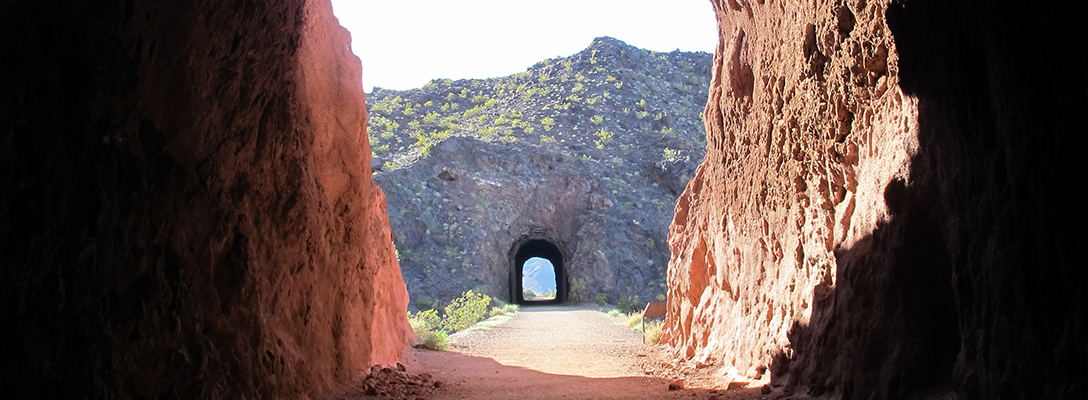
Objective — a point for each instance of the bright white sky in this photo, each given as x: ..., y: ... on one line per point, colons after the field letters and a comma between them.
x: 403, y: 44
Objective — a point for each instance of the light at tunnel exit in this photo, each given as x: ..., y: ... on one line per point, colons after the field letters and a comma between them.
x: 538, y: 279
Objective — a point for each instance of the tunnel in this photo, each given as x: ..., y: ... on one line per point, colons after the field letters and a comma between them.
x: 544, y: 248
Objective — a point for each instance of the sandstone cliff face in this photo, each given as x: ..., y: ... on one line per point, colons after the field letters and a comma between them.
x: 187, y: 203
x: 877, y: 214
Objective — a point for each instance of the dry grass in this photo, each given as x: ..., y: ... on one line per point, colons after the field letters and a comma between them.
x: 634, y: 321
x: 653, y: 330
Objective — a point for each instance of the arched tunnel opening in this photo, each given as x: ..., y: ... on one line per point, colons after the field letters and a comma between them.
x: 537, y: 253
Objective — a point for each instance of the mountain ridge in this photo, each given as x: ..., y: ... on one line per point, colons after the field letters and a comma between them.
x: 590, y: 151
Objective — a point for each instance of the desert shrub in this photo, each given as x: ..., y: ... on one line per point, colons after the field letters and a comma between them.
x: 603, y: 137
x: 465, y: 311
x: 424, y: 324
x: 424, y: 303
x: 423, y: 321
x: 505, y: 309
x: 629, y: 304
x: 434, y: 340
x: 579, y: 291
x: 601, y: 299
x: 633, y: 320
x: 482, y: 289
x: 653, y: 330
x: 615, y: 314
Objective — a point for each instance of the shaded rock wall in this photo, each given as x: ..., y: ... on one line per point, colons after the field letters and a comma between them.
x: 881, y: 211
x: 186, y: 204
x: 458, y: 214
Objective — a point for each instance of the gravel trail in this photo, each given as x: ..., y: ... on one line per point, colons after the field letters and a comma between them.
x: 558, y: 340
x: 552, y: 352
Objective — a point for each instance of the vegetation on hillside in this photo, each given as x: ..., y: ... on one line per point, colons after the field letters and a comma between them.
x: 604, y: 97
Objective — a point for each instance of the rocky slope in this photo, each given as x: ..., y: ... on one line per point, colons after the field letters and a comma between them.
x: 880, y: 213
x: 186, y: 206
x: 588, y: 151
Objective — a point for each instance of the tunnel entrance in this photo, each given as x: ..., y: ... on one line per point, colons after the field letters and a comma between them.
x: 528, y: 271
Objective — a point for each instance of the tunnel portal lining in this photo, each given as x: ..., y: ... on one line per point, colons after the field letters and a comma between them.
x: 543, y: 248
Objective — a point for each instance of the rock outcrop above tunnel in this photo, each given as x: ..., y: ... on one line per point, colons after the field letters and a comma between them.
x: 880, y: 213
x: 588, y: 151
x: 187, y: 204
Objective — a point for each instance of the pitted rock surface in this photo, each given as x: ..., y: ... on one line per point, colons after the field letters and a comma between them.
x: 859, y: 225
x: 186, y: 205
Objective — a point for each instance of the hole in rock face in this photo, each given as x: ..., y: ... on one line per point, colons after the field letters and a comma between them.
x: 538, y: 275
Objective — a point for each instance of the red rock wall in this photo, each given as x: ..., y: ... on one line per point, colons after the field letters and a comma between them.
x: 880, y: 213
x: 187, y: 205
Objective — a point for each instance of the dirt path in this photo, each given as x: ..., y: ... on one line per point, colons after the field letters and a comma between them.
x: 549, y: 353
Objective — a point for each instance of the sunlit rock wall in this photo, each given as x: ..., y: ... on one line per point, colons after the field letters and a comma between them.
x: 186, y: 204
x: 880, y: 213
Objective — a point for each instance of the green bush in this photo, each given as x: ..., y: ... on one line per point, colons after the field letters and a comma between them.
x: 465, y: 311
x: 506, y: 309
x: 434, y: 340
x: 601, y: 299
x: 424, y: 324
x: 603, y: 137
x: 424, y: 303
x: 423, y: 321
x: 579, y: 291
x: 629, y: 304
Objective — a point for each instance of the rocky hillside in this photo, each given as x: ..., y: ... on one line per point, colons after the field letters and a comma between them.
x: 590, y: 151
